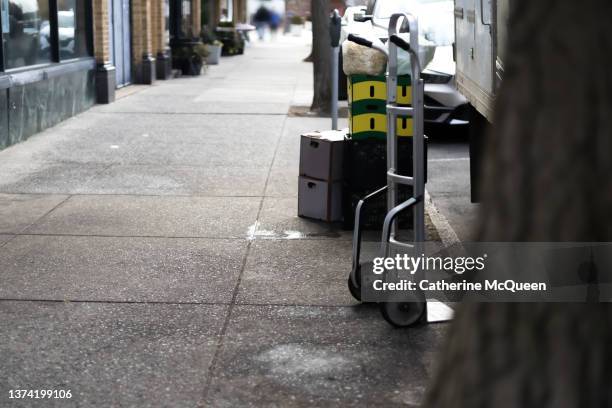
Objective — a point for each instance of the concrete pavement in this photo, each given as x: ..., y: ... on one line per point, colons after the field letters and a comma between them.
x: 147, y: 257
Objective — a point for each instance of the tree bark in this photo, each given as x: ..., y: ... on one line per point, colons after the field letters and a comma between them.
x: 547, y: 177
x: 321, y: 57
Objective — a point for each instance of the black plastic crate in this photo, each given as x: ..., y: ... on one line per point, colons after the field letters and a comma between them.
x: 365, y: 171
x: 374, y: 212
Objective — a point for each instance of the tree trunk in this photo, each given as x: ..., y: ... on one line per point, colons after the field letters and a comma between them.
x: 548, y: 177
x: 321, y: 57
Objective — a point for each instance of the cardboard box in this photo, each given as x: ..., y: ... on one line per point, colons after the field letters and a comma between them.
x: 320, y: 200
x: 321, y: 155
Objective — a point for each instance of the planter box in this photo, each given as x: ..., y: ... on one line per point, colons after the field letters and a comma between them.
x: 183, y: 57
x: 215, y: 54
x: 191, y: 68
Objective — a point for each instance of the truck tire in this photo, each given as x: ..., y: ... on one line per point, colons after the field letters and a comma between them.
x: 479, y: 127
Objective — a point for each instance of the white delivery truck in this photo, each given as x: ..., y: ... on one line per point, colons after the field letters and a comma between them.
x: 480, y: 35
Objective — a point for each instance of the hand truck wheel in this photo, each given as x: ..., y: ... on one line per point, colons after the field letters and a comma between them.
x: 355, y: 289
x: 403, y: 314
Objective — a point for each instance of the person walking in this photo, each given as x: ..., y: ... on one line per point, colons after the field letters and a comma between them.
x: 261, y: 19
x: 275, y: 22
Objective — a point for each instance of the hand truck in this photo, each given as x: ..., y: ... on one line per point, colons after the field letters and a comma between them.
x: 398, y: 313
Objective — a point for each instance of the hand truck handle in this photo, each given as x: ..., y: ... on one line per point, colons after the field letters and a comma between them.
x: 360, y: 40
x: 409, y: 24
x: 390, y: 219
x: 400, y: 43
x: 357, y: 230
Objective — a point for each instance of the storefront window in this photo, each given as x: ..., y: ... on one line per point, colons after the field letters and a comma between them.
x: 25, y: 32
x: 186, y: 22
x: 71, y: 21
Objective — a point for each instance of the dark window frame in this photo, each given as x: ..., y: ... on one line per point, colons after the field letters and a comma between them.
x: 175, y: 23
x: 55, y: 45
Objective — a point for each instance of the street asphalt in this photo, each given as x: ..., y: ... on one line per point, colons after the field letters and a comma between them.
x: 449, y: 180
x: 151, y: 254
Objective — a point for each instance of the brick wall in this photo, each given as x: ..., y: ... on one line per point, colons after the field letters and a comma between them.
x: 157, y: 26
x: 298, y: 7
x: 240, y: 10
x: 302, y: 7
x: 148, y: 30
x: 142, y: 44
x: 196, y: 15
x: 101, y: 31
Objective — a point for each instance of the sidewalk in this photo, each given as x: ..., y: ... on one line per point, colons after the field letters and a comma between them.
x: 147, y: 257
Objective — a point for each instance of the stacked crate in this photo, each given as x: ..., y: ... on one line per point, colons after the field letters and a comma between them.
x: 365, y: 157
x: 367, y: 98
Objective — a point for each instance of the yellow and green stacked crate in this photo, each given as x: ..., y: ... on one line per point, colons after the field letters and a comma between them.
x: 367, y: 97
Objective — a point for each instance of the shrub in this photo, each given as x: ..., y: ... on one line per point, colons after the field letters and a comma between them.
x: 297, y: 20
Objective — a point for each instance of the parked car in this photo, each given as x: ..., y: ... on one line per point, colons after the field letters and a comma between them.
x: 443, y: 103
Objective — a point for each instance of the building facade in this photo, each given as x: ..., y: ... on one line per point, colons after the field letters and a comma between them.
x: 302, y: 7
x: 60, y: 57
x: 47, y: 67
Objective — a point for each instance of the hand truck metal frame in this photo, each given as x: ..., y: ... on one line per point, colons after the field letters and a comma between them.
x: 398, y: 313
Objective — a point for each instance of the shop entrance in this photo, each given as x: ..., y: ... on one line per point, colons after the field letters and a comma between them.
x: 120, y: 34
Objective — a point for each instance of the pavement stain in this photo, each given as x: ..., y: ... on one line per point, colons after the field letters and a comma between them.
x: 300, y: 360
x: 256, y: 232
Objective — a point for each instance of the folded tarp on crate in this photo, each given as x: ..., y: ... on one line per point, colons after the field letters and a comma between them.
x: 357, y: 59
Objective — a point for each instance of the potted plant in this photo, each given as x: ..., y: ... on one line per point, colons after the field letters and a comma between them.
x: 214, y: 55
x: 296, y: 25
x: 214, y: 46
x: 189, y: 58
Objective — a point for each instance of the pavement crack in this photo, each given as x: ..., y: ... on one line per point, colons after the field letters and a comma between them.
x: 42, y: 217
x: 178, y: 303
x: 213, y: 365
x: 221, y: 337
